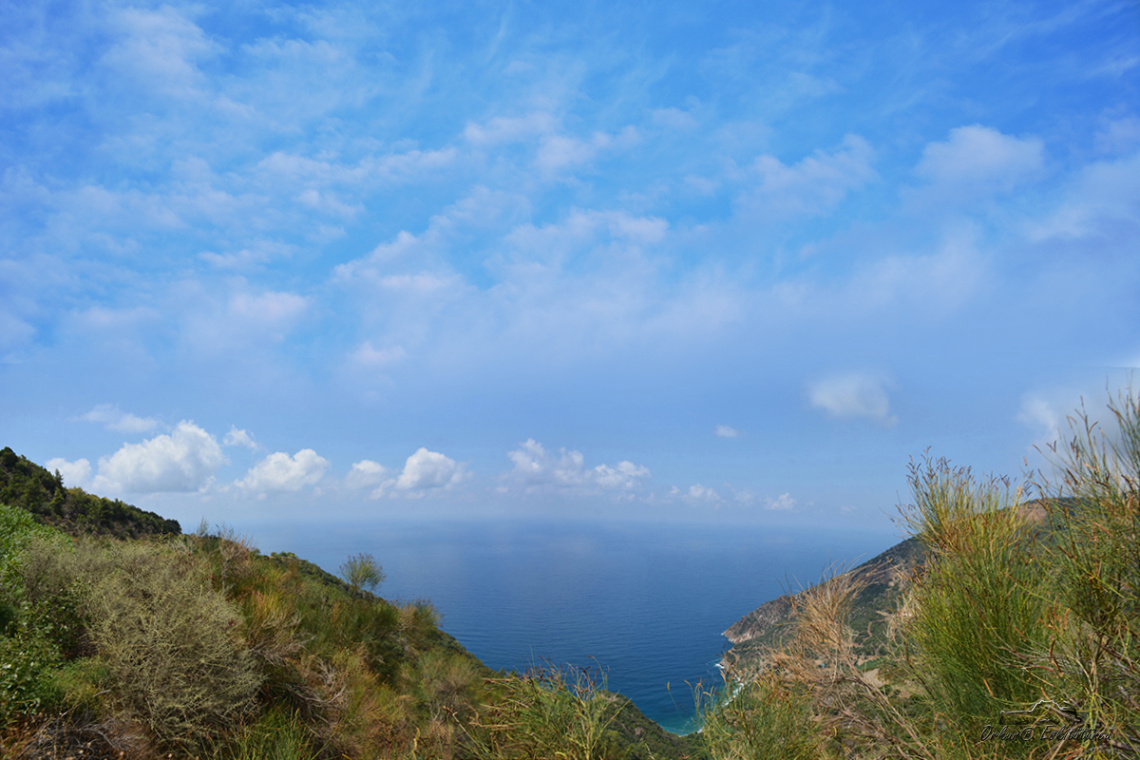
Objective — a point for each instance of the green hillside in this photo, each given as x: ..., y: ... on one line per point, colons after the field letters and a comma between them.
x: 42, y: 493
x: 120, y: 636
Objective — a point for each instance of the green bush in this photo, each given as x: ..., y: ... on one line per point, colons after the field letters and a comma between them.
x: 362, y: 572
x: 30, y: 631
x: 28, y: 659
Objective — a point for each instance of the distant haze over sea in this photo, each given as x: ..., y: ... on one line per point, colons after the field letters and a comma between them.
x: 643, y: 603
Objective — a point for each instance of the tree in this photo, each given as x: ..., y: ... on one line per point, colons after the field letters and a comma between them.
x: 362, y: 572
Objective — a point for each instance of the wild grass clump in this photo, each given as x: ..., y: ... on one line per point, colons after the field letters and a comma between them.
x: 276, y: 735
x: 764, y: 717
x: 1093, y: 656
x: 548, y: 713
x: 979, y: 604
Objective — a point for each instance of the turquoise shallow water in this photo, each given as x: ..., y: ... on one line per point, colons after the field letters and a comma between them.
x: 644, y: 605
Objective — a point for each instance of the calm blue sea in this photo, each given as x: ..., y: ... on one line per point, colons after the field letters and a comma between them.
x: 645, y: 604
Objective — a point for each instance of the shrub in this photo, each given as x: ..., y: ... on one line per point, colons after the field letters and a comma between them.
x: 171, y: 642
x: 979, y: 605
x: 31, y: 630
x: 362, y: 572
x: 1093, y: 657
x: 276, y: 735
x: 28, y: 659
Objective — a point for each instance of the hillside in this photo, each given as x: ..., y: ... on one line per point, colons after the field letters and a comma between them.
x: 881, y: 581
x: 120, y: 636
x: 28, y: 485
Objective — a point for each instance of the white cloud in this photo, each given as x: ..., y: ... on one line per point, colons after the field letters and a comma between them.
x: 536, y: 469
x: 978, y: 158
x: 1054, y: 415
x: 1103, y: 195
x: 268, y: 311
x: 424, y: 472
x: 241, y: 321
x: 1119, y: 135
x: 558, y: 152
x: 502, y: 129
x: 240, y: 438
x: 115, y: 419
x: 158, y: 49
x: 814, y: 185
x: 369, y: 356
x: 75, y: 474
x: 428, y: 469
x: 419, y: 283
x: 852, y: 395
x: 782, y: 502
x: 101, y: 318
x: 1038, y: 413
x: 700, y: 493
x: 281, y: 472
x: 185, y: 460
x: 14, y: 331
x: 726, y: 431
x: 366, y: 474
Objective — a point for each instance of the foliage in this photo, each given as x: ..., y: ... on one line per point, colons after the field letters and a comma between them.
x: 169, y: 639
x: 1093, y: 657
x: 27, y: 485
x: 979, y: 605
x: 29, y: 631
x: 28, y: 657
x: 766, y: 717
x: 550, y: 712
x: 362, y: 572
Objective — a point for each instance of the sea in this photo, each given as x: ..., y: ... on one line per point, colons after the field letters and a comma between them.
x: 639, y: 607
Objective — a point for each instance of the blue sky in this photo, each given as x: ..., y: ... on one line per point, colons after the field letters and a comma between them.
x: 641, y: 261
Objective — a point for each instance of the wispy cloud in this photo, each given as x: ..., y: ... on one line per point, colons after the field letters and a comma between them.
x: 853, y: 395
x: 811, y: 187
x: 978, y: 161
x: 113, y: 418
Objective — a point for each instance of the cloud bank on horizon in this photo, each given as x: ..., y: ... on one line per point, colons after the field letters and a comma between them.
x: 736, y: 262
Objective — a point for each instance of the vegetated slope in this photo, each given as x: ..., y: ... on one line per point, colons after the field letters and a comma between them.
x: 124, y: 637
x: 28, y: 485
x: 882, y: 581
x: 1016, y: 634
